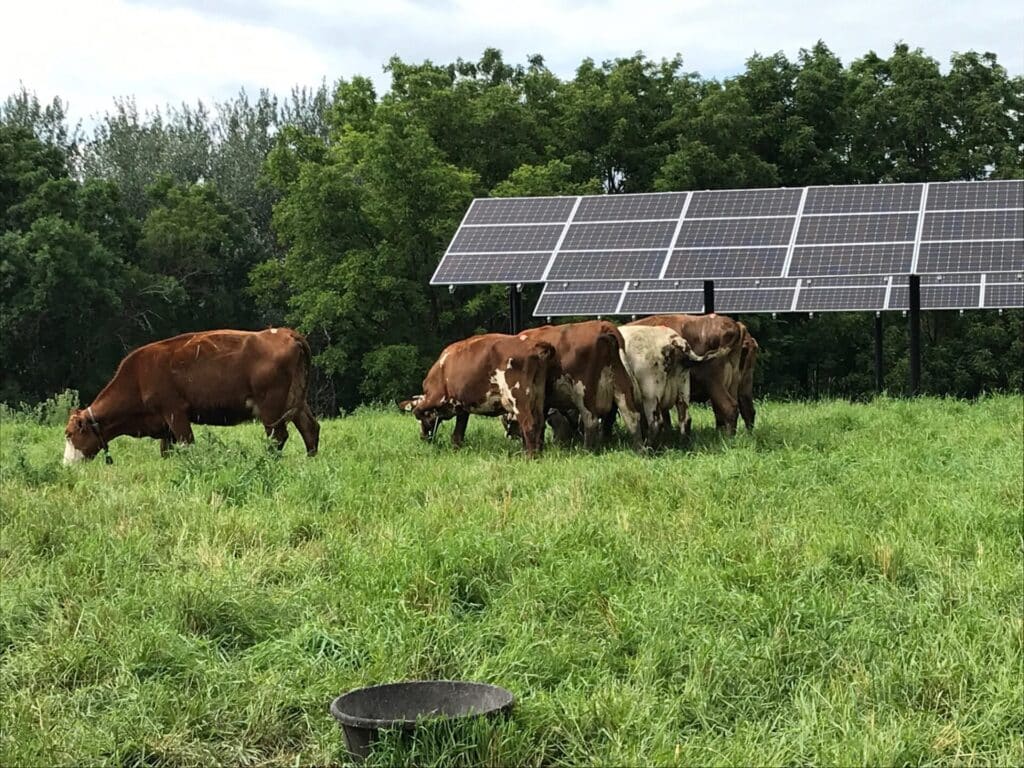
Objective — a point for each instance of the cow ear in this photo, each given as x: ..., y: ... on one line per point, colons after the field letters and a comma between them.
x: 406, y: 405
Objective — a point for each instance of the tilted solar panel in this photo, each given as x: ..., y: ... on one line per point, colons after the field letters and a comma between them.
x: 881, y: 229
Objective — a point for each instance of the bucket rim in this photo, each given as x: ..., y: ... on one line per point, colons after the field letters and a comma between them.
x: 347, y: 719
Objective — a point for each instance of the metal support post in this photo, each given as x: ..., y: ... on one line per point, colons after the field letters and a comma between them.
x: 915, y: 334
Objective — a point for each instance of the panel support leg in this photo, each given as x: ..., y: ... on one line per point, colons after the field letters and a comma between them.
x: 915, y: 334
x: 515, y: 309
x: 879, y: 377
x: 709, y: 297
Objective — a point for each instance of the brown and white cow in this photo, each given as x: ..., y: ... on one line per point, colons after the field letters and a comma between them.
x: 589, y: 376
x: 489, y: 375
x: 660, y: 360
x: 220, y: 377
x: 717, y: 380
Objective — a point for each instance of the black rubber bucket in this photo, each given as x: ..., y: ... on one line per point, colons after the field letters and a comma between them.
x: 365, y: 712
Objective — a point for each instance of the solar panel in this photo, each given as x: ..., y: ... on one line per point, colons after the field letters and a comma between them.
x: 1004, y: 295
x: 561, y: 304
x: 865, y: 198
x: 735, y: 232
x: 520, y: 210
x: 623, y: 234
x: 744, y: 202
x: 477, y: 268
x: 713, y: 263
x: 971, y: 195
x: 973, y: 225
x: 938, y: 297
x: 506, y: 239
x: 857, y: 228
x: 876, y: 258
x: 607, y: 264
x: 970, y: 257
x: 660, y: 302
x: 836, y: 299
x: 631, y: 207
x: 809, y: 294
x: 881, y: 229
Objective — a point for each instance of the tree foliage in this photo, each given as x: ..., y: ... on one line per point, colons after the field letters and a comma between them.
x: 328, y: 209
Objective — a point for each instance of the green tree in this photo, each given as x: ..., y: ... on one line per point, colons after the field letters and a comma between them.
x: 207, y: 246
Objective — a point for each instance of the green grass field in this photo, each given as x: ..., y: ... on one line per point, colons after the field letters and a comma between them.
x: 843, y: 586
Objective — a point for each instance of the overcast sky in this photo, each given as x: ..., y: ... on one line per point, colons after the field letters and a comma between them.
x: 163, y: 51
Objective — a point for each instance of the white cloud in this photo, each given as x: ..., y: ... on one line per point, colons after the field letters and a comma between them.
x: 180, y: 50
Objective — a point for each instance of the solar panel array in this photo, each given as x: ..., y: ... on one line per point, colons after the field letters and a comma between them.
x: 882, y: 230
x: 991, y: 290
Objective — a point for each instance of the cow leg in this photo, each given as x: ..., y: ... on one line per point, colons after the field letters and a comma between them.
x: 561, y: 427
x: 725, y: 407
x: 630, y: 417
x: 591, y: 430
x: 181, y: 428
x: 166, y: 443
x: 459, y: 433
x: 608, y: 423
x: 653, y: 414
x: 747, y: 410
x: 278, y: 433
x: 685, y: 422
x: 682, y: 407
x: 308, y: 427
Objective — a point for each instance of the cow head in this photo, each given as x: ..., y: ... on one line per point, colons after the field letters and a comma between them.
x: 430, y: 415
x: 679, y: 354
x: 82, y: 438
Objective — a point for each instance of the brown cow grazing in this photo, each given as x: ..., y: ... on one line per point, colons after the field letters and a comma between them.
x: 717, y: 380
x: 589, y: 375
x: 210, y: 377
x: 489, y: 375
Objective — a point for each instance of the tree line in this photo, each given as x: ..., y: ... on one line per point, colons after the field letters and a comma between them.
x: 328, y: 209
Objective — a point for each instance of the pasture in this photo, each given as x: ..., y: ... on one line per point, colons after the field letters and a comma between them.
x: 842, y: 586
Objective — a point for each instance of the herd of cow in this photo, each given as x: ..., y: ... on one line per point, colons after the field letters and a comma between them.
x: 576, y: 377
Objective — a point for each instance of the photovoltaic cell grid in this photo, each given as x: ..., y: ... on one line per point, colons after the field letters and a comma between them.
x: 993, y: 290
x: 881, y: 229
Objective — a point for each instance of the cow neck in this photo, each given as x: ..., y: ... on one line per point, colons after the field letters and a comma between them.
x: 111, y: 416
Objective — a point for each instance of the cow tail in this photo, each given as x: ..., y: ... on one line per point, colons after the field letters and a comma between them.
x: 300, y: 380
x: 744, y: 350
x: 614, y: 339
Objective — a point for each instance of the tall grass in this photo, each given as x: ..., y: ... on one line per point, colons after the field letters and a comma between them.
x: 842, y: 586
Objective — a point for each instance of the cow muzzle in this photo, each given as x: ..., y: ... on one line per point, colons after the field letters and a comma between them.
x: 71, y: 454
